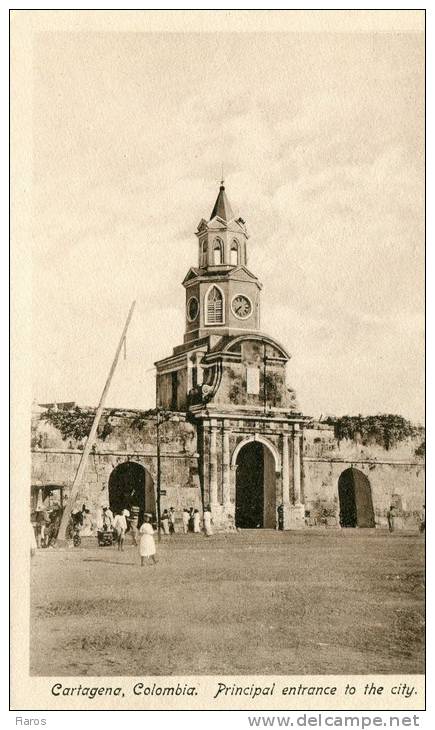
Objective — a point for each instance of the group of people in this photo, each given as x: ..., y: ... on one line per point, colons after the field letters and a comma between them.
x: 118, y: 524
x: 143, y: 536
x: 191, y: 521
x: 81, y: 520
x: 123, y: 521
x: 395, y: 519
x: 45, y: 525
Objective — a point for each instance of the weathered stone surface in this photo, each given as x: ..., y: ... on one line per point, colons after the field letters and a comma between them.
x: 185, y: 473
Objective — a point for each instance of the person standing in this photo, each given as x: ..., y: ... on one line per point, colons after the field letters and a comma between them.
x: 186, y: 519
x: 165, y: 522
x: 86, y: 523
x: 147, y: 546
x: 208, y: 522
x: 171, y: 520
x: 134, y: 524
x: 391, y: 517
x: 40, y: 528
x: 106, y: 519
x: 422, y: 526
x: 120, y: 525
x: 280, y: 512
x: 109, y: 514
x: 196, y: 518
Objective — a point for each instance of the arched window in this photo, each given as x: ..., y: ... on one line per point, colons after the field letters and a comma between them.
x: 234, y: 253
x: 214, y: 306
x: 218, y: 252
x: 204, y: 254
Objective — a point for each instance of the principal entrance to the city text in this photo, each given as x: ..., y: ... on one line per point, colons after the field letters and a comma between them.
x: 355, y: 495
x: 255, y: 487
x: 131, y: 485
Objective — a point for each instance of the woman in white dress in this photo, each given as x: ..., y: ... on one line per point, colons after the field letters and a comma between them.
x: 208, y: 521
x: 147, y: 546
x: 196, y: 521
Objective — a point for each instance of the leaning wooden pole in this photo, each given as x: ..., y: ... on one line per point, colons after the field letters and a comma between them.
x: 91, y: 438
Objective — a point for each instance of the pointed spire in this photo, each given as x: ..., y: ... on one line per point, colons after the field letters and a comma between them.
x: 222, y: 207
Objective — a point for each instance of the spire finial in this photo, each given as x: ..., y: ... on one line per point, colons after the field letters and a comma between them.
x: 222, y: 207
x: 222, y: 175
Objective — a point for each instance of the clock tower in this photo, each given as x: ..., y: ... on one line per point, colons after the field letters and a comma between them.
x: 230, y: 379
x: 222, y: 295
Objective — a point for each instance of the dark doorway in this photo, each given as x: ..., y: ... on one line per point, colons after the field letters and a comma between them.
x: 355, y: 495
x: 130, y: 485
x: 255, y: 487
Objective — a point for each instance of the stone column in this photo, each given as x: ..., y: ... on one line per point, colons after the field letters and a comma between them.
x: 226, y: 467
x: 213, y: 465
x: 296, y: 465
x: 199, y: 373
x: 297, y: 509
x: 285, y: 471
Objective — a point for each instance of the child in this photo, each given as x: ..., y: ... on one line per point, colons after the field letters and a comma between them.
x: 147, y: 546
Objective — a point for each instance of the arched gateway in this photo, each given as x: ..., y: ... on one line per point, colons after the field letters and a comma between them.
x: 130, y: 484
x: 355, y: 495
x: 255, y: 485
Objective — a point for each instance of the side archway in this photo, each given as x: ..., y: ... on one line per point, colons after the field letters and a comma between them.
x: 355, y: 496
x: 131, y: 485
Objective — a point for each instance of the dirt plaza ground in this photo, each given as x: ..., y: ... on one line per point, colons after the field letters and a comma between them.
x: 255, y: 602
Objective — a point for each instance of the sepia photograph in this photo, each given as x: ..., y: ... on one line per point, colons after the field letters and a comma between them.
x: 224, y: 297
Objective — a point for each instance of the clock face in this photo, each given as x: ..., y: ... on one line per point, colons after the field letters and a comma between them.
x: 241, y: 306
x: 192, y: 309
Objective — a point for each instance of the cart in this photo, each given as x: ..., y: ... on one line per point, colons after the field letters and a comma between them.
x: 104, y: 537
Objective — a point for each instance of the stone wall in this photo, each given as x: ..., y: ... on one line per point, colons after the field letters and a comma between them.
x: 129, y: 437
x: 392, y: 473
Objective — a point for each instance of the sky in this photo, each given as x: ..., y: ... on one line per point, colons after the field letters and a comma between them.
x: 321, y: 138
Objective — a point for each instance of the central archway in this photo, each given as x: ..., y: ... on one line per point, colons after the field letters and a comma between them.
x: 255, y: 486
x: 131, y: 485
x: 355, y: 495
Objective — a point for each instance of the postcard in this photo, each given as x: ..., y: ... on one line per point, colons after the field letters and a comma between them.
x: 218, y: 462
